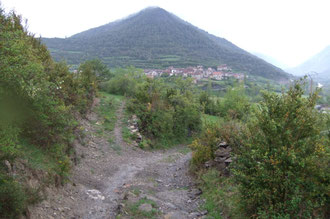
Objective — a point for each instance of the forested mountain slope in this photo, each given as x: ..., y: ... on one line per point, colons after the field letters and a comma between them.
x: 155, y: 38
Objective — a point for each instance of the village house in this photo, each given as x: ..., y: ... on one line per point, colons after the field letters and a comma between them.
x: 218, y: 75
x: 197, y: 73
x: 238, y: 76
x: 224, y: 67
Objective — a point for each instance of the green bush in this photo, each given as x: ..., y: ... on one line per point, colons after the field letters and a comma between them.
x: 221, y: 195
x: 38, y: 95
x: 12, y: 198
x: 166, y: 113
x: 38, y: 100
x: 205, y: 145
x: 210, y: 106
x: 9, y: 142
x: 282, y: 165
x: 235, y: 104
x: 124, y: 81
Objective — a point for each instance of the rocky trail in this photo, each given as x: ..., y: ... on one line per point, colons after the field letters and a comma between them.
x: 118, y: 180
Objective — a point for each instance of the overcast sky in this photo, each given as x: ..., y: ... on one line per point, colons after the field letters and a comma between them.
x: 290, y: 31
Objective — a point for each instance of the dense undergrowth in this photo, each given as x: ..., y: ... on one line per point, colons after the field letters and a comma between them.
x: 280, y: 145
x: 38, y: 101
x: 280, y: 160
x: 168, y: 113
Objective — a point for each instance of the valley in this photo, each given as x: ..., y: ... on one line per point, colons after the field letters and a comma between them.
x: 151, y: 117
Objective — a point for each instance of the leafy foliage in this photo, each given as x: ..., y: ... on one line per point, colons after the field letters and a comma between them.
x: 166, y: 113
x: 235, y: 104
x: 281, y: 166
x: 221, y: 195
x: 12, y: 198
x: 37, y: 100
x: 124, y: 81
x: 205, y: 145
x: 210, y: 106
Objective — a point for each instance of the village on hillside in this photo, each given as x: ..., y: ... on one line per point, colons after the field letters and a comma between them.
x: 197, y: 73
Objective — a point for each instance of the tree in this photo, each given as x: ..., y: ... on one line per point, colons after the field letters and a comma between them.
x: 100, y: 70
x: 209, y: 105
x: 235, y: 104
x: 281, y: 166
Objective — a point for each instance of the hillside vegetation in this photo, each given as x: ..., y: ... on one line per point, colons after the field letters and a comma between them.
x: 279, y: 145
x: 169, y: 113
x: 38, y: 98
x: 280, y: 156
x: 155, y: 38
x: 255, y: 153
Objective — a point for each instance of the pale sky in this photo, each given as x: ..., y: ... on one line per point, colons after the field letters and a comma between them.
x: 290, y: 31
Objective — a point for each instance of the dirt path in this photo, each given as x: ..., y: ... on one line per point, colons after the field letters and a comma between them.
x: 130, y: 184
x: 118, y: 126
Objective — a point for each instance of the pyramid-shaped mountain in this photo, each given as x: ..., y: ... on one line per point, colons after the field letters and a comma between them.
x: 155, y: 38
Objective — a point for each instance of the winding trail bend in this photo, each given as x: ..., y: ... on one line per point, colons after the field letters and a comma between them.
x: 103, y: 181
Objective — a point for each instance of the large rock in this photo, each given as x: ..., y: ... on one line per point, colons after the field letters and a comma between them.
x: 223, y: 144
x: 138, y: 138
x: 223, y: 152
x: 209, y: 163
x: 134, y: 118
x: 229, y: 160
x: 194, y: 193
x: 176, y: 215
x: 145, y: 207
x: 221, y: 166
x: 8, y: 165
x: 220, y: 159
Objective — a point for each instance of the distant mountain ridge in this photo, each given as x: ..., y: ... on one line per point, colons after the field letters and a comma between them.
x: 270, y: 60
x: 155, y: 38
x: 320, y: 63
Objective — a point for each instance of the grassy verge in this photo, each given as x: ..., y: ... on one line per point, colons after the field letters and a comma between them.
x: 209, y: 119
x: 38, y: 159
x: 184, y: 150
x: 220, y: 194
x: 107, y: 111
x: 137, y: 213
x: 128, y: 137
x: 132, y: 209
x: 15, y: 193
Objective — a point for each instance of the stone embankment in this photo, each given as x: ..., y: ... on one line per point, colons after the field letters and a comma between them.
x: 222, y: 159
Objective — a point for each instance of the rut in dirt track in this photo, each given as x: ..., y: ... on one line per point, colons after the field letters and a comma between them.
x: 118, y: 127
